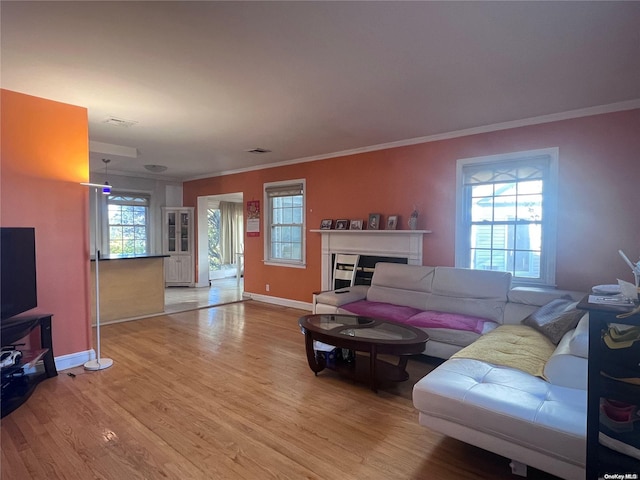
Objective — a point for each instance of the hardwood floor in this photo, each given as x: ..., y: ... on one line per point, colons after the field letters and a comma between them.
x: 226, y: 393
x: 181, y: 299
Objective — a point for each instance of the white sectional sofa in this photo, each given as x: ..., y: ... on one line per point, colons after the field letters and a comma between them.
x: 455, y: 306
x: 531, y: 420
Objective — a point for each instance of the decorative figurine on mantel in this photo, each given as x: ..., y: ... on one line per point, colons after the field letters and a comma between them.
x: 413, y: 219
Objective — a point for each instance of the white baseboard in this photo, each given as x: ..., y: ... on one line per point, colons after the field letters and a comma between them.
x: 223, y: 273
x: 64, y: 362
x: 285, y: 302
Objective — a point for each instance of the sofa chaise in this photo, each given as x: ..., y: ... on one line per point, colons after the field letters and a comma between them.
x: 533, y: 419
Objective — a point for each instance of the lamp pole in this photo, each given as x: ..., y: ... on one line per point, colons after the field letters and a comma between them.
x: 98, y: 363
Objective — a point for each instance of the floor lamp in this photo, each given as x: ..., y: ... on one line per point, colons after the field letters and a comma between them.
x: 98, y: 363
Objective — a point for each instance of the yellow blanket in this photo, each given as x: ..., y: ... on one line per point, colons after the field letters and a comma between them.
x: 515, y: 346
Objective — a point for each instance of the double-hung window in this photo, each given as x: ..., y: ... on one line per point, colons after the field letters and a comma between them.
x: 128, y: 215
x: 506, y: 214
x: 285, y: 219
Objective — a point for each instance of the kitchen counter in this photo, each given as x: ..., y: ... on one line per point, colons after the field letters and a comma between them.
x: 130, y: 286
x: 127, y: 257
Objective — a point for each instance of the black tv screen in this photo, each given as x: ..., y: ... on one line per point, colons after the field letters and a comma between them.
x: 18, y: 271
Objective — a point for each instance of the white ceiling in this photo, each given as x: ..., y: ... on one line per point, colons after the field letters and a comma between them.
x: 207, y: 81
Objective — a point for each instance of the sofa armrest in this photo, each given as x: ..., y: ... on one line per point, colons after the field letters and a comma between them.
x: 579, y: 343
x: 538, y: 296
x: 523, y: 301
x: 564, y: 368
x: 342, y: 296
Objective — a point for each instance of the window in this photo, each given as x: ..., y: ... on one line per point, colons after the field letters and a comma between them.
x: 284, y: 239
x: 213, y: 232
x: 225, y: 233
x: 128, y: 223
x: 506, y: 214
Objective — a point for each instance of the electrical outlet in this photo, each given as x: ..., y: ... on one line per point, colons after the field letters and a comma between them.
x: 266, y: 287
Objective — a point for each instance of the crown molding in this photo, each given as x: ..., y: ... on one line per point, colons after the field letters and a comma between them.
x: 554, y: 117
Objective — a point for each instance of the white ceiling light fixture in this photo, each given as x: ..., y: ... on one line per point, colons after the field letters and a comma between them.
x: 155, y: 168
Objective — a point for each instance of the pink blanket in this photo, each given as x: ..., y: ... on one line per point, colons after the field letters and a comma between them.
x: 415, y: 317
x: 455, y: 321
x: 385, y: 311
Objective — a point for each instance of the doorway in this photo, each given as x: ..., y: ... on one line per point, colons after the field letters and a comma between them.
x: 221, y: 229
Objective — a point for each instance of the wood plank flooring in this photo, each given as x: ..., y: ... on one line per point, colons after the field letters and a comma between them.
x: 226, y: 393
x: 181, y: 299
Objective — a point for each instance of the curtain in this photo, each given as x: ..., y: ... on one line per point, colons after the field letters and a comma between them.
x: 231, y: 231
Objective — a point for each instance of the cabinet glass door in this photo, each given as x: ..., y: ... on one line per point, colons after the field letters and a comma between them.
x: 184, y: 232
x: 171, y: 234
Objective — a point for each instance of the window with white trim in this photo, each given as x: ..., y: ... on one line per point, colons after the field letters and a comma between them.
x: 285, y: 223
x: 128, y: 216
x: 506, y: 214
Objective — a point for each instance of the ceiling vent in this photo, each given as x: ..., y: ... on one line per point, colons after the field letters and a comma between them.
x: 259, y: 150
x: 119, y: 122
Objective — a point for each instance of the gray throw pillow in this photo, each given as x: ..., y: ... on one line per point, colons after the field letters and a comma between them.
x: 555, y: 318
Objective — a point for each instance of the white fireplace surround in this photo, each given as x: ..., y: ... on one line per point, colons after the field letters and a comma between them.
x: 380, y: 243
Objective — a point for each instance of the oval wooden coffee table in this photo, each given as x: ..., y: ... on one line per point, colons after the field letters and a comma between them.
x: 362, y: 334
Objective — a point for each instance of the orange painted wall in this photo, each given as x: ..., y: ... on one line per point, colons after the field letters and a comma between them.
x: 599, y: 169
x: 45, y: 154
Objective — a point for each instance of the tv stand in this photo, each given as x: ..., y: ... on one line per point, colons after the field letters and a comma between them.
x: 18, y: 385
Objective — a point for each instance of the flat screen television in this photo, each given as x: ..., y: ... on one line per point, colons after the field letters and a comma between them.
x: 18, y: 271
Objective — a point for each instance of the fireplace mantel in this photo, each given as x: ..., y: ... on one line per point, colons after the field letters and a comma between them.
x: 384, y: 243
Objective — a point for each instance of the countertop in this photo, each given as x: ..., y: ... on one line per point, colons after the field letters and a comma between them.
x: 128, y: 257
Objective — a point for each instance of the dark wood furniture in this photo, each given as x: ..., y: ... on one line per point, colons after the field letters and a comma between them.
x: 362, y: 334
x: 603, y: 462
x: 19, y: 381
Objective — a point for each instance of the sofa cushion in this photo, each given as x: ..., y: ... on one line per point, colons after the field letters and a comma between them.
x: 385, y: 311
x: 508, y: 404
x: 399, y: 284
x: 403, y: 277
x: 481, y: 293
x: 460, y: 338
x: 555, y: 318
x: 455, y: 321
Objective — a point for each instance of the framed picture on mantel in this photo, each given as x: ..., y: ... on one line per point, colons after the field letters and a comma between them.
x: 342, y: 224
x: 374, y: 221
x: 326, y: 224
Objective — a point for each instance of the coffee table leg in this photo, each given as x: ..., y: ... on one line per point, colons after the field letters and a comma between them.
x: 316, y: 362
x: 402, y: 363
x: 372, y: 362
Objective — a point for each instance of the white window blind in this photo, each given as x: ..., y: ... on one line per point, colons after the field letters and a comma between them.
x: 506, y: 215
x: 285, y: 239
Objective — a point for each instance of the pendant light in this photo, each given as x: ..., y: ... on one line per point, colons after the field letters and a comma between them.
x: 106, y: 188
